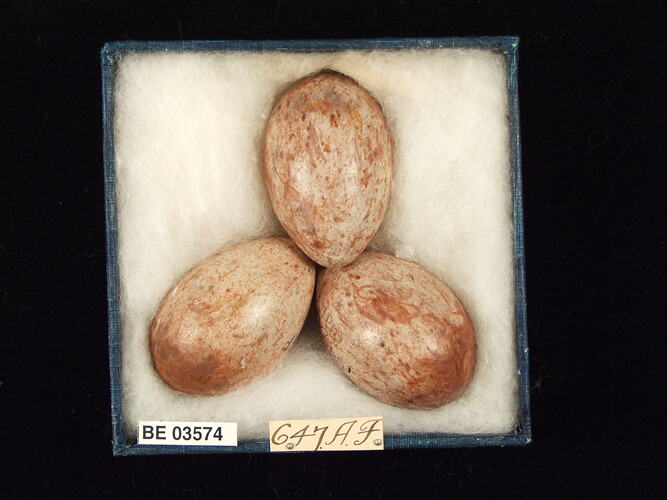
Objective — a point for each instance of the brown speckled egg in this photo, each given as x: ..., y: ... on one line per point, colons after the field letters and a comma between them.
x: 397, y: 331
x: 328, y: 166
x: 232, y: 317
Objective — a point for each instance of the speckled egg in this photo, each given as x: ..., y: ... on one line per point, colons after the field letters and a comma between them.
x: 328, y: 166
x: 232, y: 317
x: 397, y: 331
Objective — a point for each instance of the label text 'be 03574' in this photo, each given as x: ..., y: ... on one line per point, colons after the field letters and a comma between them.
x: 187, y: 433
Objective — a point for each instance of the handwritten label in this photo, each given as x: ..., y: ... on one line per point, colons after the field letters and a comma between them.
x: 331, y: 434
x: 187, y: 433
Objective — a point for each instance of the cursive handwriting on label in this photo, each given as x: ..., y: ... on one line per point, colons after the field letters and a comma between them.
x: 332, y: 434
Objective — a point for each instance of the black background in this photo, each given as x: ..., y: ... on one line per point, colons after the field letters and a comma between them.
x: 592, y: 89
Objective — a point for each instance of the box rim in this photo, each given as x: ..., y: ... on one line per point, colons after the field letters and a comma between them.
x: 507, y: 45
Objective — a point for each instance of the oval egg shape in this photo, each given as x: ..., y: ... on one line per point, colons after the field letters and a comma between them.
x: 327, y: 158
x: 396, y: 331
x: 232, y: 317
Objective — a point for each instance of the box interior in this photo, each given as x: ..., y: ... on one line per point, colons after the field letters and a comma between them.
x: 187, y: 134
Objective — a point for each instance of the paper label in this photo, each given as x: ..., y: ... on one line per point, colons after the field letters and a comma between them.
x: 329, y: 434
x: 187, y: 433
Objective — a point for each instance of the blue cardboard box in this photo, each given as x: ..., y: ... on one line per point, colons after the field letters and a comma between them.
x: 508, y: 46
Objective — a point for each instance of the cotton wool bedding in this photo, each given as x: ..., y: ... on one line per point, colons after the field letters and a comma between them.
x: 187, y: 140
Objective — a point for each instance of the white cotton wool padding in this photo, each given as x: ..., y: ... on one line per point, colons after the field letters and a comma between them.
x: 187, y: 155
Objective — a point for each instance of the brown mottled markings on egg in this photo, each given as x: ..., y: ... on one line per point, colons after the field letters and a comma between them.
x: 232, y: 317
x: 327, y: 159
x: 405, y: 335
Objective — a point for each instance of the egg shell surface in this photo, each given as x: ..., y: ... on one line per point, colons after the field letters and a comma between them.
x: 232, y: 317
x: 397, y: 331
x: 327, y: 158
